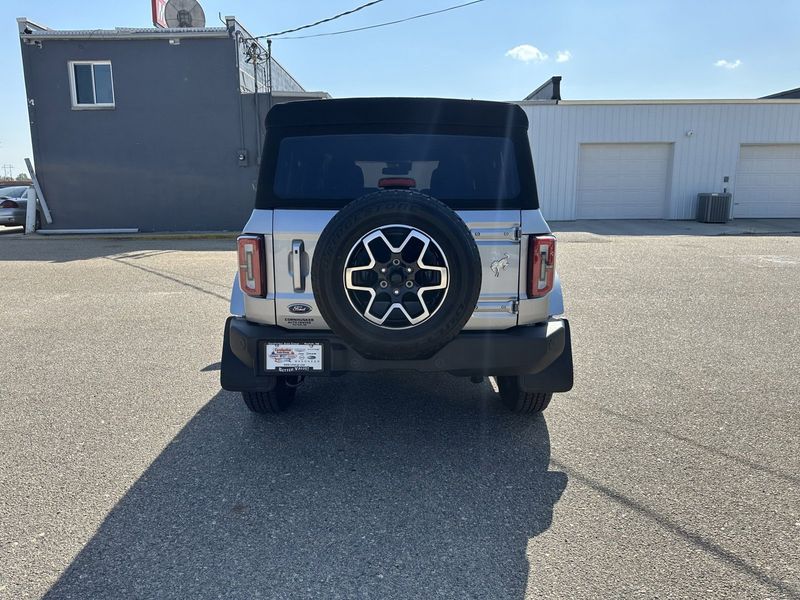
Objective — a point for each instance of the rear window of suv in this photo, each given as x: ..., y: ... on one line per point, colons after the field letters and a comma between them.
x: 13, y: 192
x: 448, y: 167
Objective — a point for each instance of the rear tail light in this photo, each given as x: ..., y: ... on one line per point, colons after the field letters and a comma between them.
x: 8, y: 204
x: 252, y: 279
x: 541, y: 265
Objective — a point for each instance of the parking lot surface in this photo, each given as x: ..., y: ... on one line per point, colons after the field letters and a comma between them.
x: 671, y: 470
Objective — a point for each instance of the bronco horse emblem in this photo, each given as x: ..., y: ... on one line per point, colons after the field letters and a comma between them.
x: 501, y: 264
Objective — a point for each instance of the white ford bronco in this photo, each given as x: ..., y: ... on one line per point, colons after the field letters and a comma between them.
x: 396, y: 234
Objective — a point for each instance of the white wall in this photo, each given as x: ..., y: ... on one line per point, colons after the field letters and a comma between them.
x: 699, y: 162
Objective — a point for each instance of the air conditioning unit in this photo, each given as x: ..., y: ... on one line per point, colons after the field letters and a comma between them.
x: 713, y: 208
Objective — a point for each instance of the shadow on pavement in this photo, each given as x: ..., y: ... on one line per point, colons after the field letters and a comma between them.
x: 372, y: 486
x: 68, y: 249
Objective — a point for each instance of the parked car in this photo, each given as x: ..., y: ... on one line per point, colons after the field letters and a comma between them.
x: 396, y: 235
x: 14, y: 206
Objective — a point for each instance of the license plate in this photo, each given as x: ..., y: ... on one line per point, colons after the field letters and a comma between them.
x: 289, y: 358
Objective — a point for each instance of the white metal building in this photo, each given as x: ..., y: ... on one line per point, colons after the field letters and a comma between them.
x: 649, y: 159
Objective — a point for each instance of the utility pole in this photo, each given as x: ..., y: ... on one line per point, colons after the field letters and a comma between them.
x: 269, y: 72
x: 8, y: 171
x: 255, y: 54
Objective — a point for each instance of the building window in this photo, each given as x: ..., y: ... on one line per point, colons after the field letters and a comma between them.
x: 91, y: 84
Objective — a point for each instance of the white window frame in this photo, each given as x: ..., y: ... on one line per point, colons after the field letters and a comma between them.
x: 73, y: 90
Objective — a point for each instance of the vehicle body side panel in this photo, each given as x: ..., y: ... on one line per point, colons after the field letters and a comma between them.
x: 237, y: 298
x: 503, y: 301
x: 535, y: 310
x: 13, y: 216
x: 496, y: 235
x: 261, y: 310
x: 533, y: 222
x: 305, y: 226
x: 556, y: 298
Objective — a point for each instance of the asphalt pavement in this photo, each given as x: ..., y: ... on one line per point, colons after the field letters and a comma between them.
x: 671, y: 470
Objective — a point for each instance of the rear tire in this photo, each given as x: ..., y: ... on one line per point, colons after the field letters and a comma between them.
x: 274, y: 401
x: 519, y: 401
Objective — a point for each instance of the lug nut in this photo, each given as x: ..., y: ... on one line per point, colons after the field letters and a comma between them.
x: 396, y: 262
x: 383, y: 270
x: 409, y: 270
x: 409, y: 284
x: 396, y: 292
x: 384, y: 284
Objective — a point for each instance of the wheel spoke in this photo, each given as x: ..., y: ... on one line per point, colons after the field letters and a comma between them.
x: 401, y: 271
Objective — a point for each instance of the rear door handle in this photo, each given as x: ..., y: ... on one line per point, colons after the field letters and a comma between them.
x: 298, y: 280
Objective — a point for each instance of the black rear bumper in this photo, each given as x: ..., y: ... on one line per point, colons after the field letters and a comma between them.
x: 542, y: 352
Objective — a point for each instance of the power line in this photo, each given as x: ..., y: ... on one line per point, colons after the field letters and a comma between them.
x: 427, y: 14
x: 321, y: 21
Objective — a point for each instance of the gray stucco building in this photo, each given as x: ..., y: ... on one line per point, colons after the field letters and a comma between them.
x: 154, y: 129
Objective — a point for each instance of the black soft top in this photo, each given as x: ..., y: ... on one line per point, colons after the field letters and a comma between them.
x: 398, y: 111
x: 428, y: 116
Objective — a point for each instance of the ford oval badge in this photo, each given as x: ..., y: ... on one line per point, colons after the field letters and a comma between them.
x: 299, y: 309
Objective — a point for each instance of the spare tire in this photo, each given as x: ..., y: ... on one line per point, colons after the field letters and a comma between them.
x: 396, y: 274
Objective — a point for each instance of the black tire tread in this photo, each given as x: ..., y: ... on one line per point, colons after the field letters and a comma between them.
x: 520, y: 401
x: 273, y: 401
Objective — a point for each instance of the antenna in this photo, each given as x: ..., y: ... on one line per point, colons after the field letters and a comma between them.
x: 184, y: 13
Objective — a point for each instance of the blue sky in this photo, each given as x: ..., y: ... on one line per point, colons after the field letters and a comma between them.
x: 498, y: 49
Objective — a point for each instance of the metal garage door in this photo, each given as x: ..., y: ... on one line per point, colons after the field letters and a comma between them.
x: 768, y: 181
x: 623, y: 181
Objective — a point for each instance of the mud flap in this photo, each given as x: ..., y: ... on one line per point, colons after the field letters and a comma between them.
x: 235, y: 376
x: 558, y: 377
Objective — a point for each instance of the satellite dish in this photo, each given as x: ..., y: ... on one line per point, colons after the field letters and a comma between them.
x: 184, y: 13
